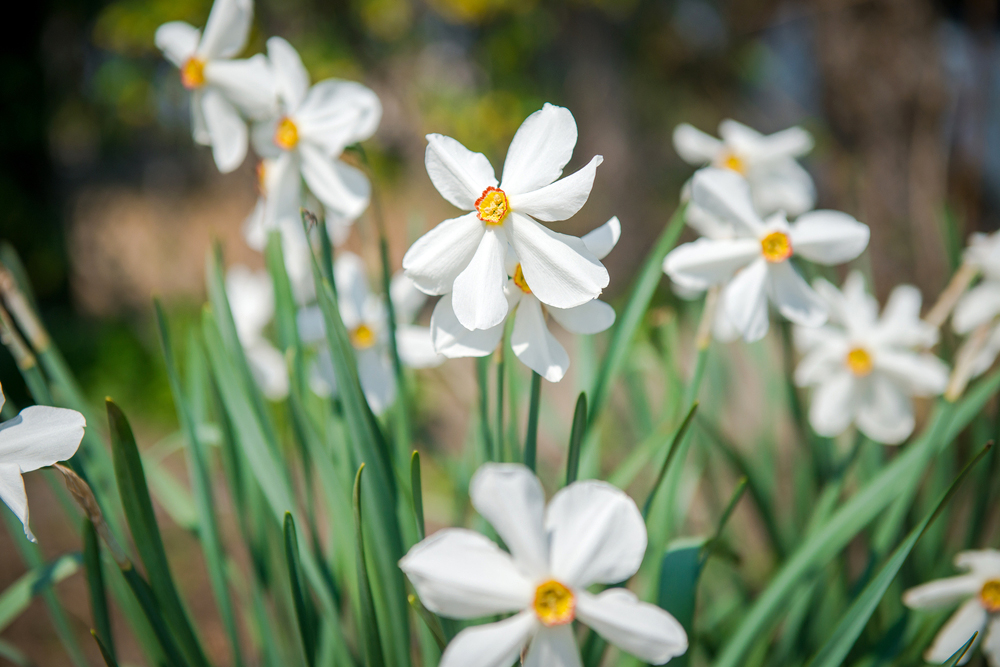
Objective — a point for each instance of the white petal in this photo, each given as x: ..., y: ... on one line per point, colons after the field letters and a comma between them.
x: 251, y: 300
x: 437, y: 257
x: 781, y: 186
x: 597, y: 535
x: 406, y: 298
x: 378, y: 379
x: 991, y: 645
x: 917, y: 374
x: 461, y: 574
x: 227, y: 28
x: 338, y: 185
x: 590, y: 318
x: 459, y: 175
x: 290, y: 76
x: 282, y: 199
x: 248, y: 84
x: 267, y: 364
x: 511, y: 498
x: 415, y: 347
x: 790, y: 143
x: 725, y: 195
x: 828, y: 237
x: 534, y: 345
x: 336, y: 114
x: 900, y: 323
x: 991, y: 350
x: 744, y: 301
x: 980, y: 304
x: 824, y: 359
x: 199, y: 126
x: 558, y: 268
x: 553, y: 647
x: 969, y: 619
x: 833, y: 405
x: 793, y: 297
x: 601, y: 241
x: 352, y: 287
x: 560, y: 200
x: 942, y: 592
x: 644, y: 630
x: 453, y: 340
x: 492, y: 645
x: 178, y: 41
x: 40, y: 436
x: 694, y: 146
x: 983, y: 562
x: 13, y: 495
x: 540, y: 149
x: 738, y: 135
x: 226, y: 130
x: 479, y: 299
x: 3, y: 399
x: 706, y: 262
x: 885, y: 414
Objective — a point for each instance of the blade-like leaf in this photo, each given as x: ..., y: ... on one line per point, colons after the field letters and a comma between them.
x: 370, y: 641
x: 95, y: 586
x: 576, y: 438
x: 19, y: 594
x: 304, y: 613
x: 531, y: 439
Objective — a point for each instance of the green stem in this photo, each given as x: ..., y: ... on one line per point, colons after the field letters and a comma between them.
x: 531, y: 439
x: 499, y: 450
x: 482, y: 370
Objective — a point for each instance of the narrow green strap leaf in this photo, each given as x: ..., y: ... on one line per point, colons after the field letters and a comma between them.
x: 303, y: 612
x: 712, y: 544
x: 151, y: 608
x: 531, y: 438
x: 671, y: 455
x: 370, y: 641
x: 854, y: 620
x: 500, y: 451
x: 432, y: 622
x: 960, y: 653
x: 416, y: 489
x: 576, y: 438
x: 109, y: 657
x: 19, y: 594
x: 95, y: 585
x: 482, y: 375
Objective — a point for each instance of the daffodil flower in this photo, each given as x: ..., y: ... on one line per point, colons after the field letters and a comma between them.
x: 979, y: 592
x: 777, y: 181
x: 754, y: 265
x: 864, y: 367
x: 980, y: 306
x: 590, y: 533
x: 251, y: 300
x: 37, y: 437
x: 221, y: 88
x: 531, y: 340
x: 366, y: 320
x: 466, y: 255
x: 304, y: 140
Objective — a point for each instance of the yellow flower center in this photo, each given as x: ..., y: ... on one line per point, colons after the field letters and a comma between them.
x: 287, y: 134
x: 732, y: 161
x: 492, y: 206
x: 990, y: 596
x: 193, y: 73
x: 859, y: 361
x: 520, y: 281
x: 554, y: 604
x: 362, y: 337
x: 776, y: 246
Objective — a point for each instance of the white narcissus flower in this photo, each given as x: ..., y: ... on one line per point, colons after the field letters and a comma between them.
x: 777, y: 181
x: 251, y: 300
x: 466, y: 255
x: 979, y: 592
x: 531, y: 340
x: 866, y: 368
x: 755, y: 264
x: 37, y: 437
x: 980, y: 306
x: 220, y: 88
x: 590, y: 533
x: 365, y: 318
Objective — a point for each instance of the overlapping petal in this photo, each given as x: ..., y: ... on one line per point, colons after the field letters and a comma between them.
x: 793, y: 297
x: 644, y: 630
x: 540, y: 149
x: 178, y: 41
x: 745, y: 300
x: 492, y: 645
x: 724, y: 194
x: 885, y: 413
x: 828, y: 237
x: 339, y: 186
x: 969, y: 619
x: 453, y: 340
x: 976, y: 307
x: 336, y: 114
x: 290, y: 76
x: 560, y: 200
x: 478, y: 298
x: 601, y: 241
x: 511, y: 498
x: 706, y: 262
x: 40, y: 436
x: 590, y: 318
x: 694, y: 146
x: 553, y: 647
x: 534, y: 344
x: 833, y: 404
x: 247, y: 84
x: 459, y: 175
x: 942, y: 592
x: 227, y: 132
x: 13, y: 495
x: 227, y: 29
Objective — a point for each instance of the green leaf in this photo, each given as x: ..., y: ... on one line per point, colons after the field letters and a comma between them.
x: 370, y: 641
x: 960, y: 653
x: 432, y: 622
x: 672, y: 450
x: 416, y: 489
x: 146, y: 533
x: 109, y: 658
x: 531, y: 438
x: 304, y: 613
x: 680, y: 570
x: 19, y: 594
x: 839, y: 644
x: 576, y: 438
x: 95, y: 586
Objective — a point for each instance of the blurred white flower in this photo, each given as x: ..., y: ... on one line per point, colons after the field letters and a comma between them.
x: 864, y: 367
x: 304, y: 141
x: 37, y: 437
x: 777, y: 181
x: 590, y: 533
x: 466, y: 255
x: 980, y: 306
x: 221, y: 88
x: 979, y: 592
x: 251, y: 300
x: 366, y: 320
x: 530, y: 339
x: 754, y: 264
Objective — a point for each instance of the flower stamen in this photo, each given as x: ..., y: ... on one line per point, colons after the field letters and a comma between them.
x: 363, y: 337
x: 492, y: 206
x: 776, y: 247
x: 733, y: 162
x: 520, y: 281
x: 286, y: 135
x: 859, y: 361
x: 990, y: 596
x: 554, y: 604
x: 193, y: 73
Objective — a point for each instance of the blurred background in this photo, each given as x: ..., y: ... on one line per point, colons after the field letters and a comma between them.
x: 109, y: 202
